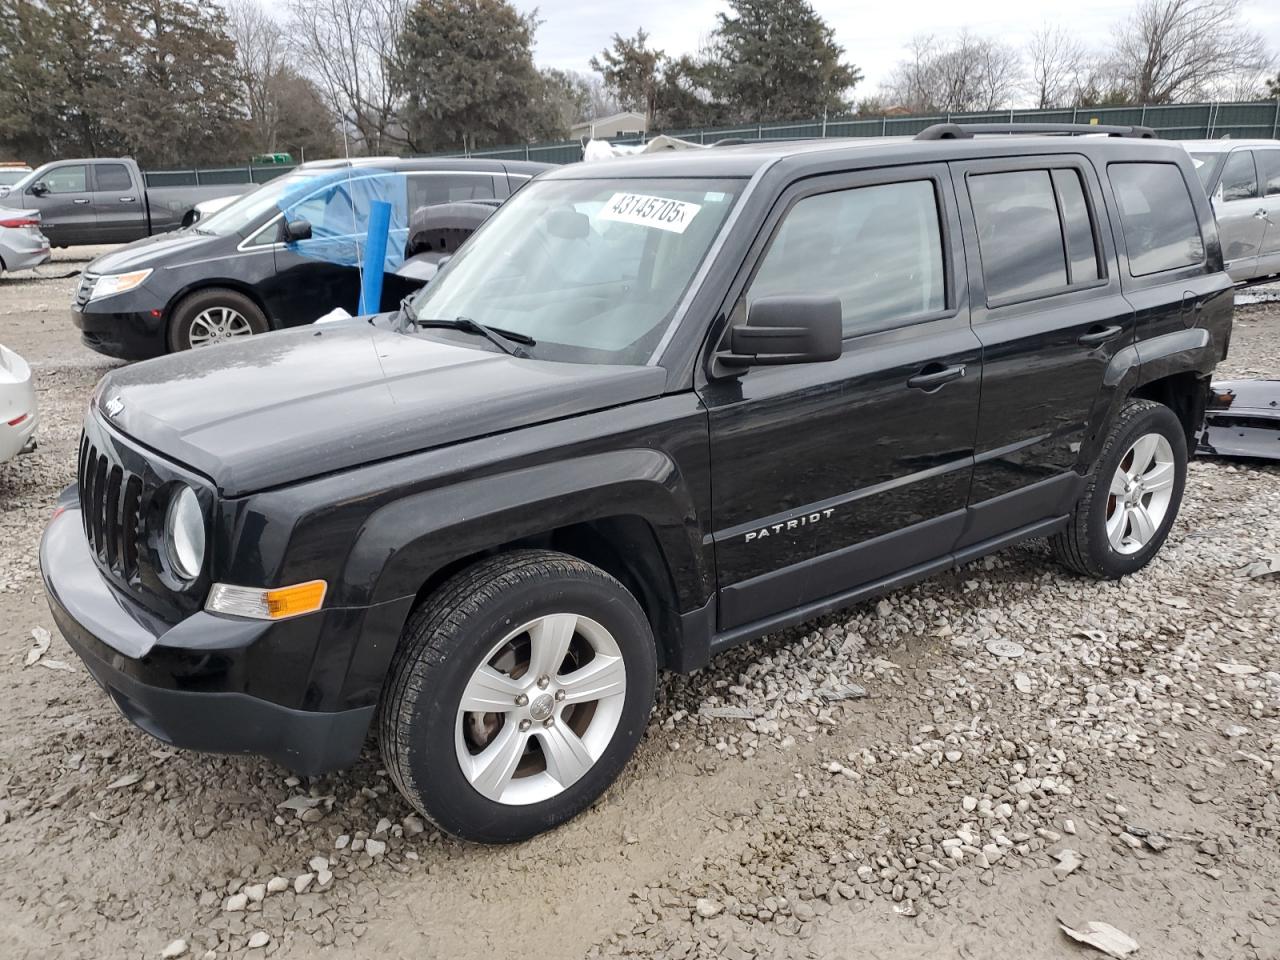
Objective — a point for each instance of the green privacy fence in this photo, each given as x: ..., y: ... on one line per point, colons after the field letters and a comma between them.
x: 215, y: 176
x: 1190, y: 121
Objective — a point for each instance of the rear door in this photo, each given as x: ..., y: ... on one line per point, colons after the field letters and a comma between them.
x: 1167, y: 277
x: 66, y: 211
x: 1048, y: 308
x: 119, y: 204
x: 831, y: 476
x: 1268, y: 159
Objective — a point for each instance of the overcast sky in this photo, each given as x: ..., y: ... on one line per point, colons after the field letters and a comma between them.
x: 872, y: 32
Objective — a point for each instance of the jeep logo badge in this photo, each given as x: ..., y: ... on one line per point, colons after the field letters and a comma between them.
x: 113, y: 407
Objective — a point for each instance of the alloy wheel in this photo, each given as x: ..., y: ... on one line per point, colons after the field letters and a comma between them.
x: 540, y: 709
x: 1140, y: 493
x: 217, y: 324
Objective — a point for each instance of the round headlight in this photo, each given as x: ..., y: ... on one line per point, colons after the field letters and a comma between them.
x: 184, y: 534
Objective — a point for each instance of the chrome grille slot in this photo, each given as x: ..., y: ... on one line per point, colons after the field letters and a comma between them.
x: 87, y: 280
x: 111, y: 504
x: 111, y: 517
x: 131, y: 509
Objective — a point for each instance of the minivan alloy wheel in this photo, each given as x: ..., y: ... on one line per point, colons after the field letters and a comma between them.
x: 1140, y: 493
x: 540, y: 709
x: 216, y: 324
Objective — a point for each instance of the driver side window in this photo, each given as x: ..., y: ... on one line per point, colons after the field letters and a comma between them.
x: 878, y: 249
x: 1239, y: 179
x: 72, y: 179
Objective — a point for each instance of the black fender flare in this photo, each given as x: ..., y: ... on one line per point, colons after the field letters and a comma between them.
x: 403, y: 544
x: 1132, y: 367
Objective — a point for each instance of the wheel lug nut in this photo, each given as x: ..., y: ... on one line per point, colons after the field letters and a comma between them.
x: 525, y: 725
x: 521, y: 700
x: 549, y: 722
x: 543, y: 681
x: 559, y: 694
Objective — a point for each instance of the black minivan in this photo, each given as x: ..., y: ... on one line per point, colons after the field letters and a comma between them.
x: 281, y: 256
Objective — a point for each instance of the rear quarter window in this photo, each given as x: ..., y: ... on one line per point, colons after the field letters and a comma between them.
x: 1161, y: 231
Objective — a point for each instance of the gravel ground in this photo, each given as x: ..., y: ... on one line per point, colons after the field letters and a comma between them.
x: 948, y: 772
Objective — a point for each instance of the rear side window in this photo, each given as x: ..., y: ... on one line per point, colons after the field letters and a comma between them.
x: 1019, y: 234
x: 1159, y: 222
x: 1077, y: 228
x: 1269, y: 171
x: 431, y: 188
x: 112, y: 176
x: 877, y: 249
x: 1239, y: 181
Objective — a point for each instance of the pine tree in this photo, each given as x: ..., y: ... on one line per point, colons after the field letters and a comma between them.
x: 778, y: 60
x: 465, y: 69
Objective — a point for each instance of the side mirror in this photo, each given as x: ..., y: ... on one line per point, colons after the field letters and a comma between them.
x: 787, y: 329
x: 295, y: 230
x: 39, y: 188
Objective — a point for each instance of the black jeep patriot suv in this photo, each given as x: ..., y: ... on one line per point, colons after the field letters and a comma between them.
x: 653, y: 408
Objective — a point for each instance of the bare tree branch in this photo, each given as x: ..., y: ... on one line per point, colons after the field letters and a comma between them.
x: 348, y: 46
x: 1057, y: 64
x: 1179, y: 50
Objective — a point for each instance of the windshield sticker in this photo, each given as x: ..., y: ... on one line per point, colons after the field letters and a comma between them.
x: 659, y: 212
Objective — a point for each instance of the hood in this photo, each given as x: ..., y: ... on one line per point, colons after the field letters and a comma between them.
x: 283, y: 407
x: 164, y: 249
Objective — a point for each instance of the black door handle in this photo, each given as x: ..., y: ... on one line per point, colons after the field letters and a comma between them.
x: 934, y: 375
x: 1097, y: 335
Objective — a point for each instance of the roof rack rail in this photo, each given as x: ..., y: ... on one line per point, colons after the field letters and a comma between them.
x: 966, y: 131
x: 730, y: 142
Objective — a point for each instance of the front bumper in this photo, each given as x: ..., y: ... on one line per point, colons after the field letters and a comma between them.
x: 159, y: 675
x: 131, y: 335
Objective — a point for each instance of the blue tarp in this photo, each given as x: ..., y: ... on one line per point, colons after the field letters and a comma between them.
x: 338, y: 204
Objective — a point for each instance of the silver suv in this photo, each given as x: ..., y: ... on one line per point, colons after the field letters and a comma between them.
x: 1242, y: 179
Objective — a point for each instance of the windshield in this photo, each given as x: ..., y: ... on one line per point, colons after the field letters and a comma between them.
x: 592, y: 270
x: 247, y: 210
x: 1206, y: 165
x: 10, y: 177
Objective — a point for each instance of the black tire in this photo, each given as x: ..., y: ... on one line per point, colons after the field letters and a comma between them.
x: 1083, y: 546
x: 444, y: 642
x: 191, y: 306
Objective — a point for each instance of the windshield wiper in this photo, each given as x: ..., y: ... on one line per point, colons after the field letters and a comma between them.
x: 508, y: 341
x: 403, y: 315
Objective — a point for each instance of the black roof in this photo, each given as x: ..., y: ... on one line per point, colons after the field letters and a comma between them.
x: 745, y: 160
x: 402, y: 164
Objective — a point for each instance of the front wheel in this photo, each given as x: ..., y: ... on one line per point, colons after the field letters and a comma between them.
x: 1132, y: 496
x: 518, y: 693
x: 212, y: 316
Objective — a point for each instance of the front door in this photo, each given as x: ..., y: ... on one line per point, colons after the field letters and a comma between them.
x: 1268, y: 213
x: 1241, y: 222
x: 827, y: 477
x: 1049, y: 310
x: 66, y: 208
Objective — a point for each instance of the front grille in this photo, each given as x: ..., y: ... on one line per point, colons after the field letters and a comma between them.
x: 87, y: 280
x: 111, y: 506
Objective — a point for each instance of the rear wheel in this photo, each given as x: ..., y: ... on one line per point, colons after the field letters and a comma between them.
x: 1132, y: 497
x: 518, y: 693
x: 214, y: 316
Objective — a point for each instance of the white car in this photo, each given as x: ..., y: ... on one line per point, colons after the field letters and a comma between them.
x: 18, y: 417
x: 1242, y: 178
x: 22, y: 245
